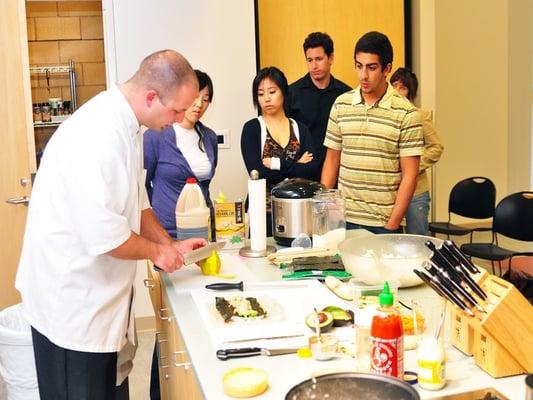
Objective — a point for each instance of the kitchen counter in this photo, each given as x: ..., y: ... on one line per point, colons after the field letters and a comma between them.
x: 287, y: 370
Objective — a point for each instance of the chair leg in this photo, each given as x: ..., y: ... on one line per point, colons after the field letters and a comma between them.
x: 492, y: 264
x: 500, y: 267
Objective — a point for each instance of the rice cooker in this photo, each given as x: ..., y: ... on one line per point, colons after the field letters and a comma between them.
x: 292, y: 209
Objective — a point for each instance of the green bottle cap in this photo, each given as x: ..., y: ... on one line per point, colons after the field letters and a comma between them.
x: 386, y: 298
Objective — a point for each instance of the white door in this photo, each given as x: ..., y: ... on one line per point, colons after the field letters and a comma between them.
x: 17, y: 148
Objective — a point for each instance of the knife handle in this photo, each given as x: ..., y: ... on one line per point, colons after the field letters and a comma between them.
x: 225, y: 286
x: 451, y: 246
x: 447, y: 290
x: 224, y: 354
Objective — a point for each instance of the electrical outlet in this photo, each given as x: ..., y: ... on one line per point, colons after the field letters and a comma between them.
x: 223, y: 138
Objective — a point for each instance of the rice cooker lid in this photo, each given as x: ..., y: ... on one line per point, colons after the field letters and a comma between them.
x: 296, y: 188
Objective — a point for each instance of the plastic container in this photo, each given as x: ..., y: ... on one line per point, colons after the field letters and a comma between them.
x: 431, y: 361
x: 329, y: 221
x: 368, y: 295
x: 428, y: 315
x: 386, y: 338
x: 192, y: 213
x: 323, y: 347
x: 17, y: 362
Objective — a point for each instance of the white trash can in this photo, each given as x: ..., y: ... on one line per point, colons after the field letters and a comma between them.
x: 17, y: 362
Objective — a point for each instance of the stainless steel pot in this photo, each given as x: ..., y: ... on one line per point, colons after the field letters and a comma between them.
x: 292, y: 209
x: 353, y: 385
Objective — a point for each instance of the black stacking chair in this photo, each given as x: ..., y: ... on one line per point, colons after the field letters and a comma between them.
x: 513, y: 218
x: 474, y: 198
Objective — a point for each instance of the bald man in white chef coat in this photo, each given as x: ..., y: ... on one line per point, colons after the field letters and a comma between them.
x: 88, y: 221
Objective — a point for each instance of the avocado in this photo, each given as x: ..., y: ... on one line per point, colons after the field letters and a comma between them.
x: 340, y: 317
x: 325, y: 321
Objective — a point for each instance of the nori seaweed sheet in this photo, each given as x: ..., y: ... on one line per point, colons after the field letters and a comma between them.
x: 225, y: 309
x: 256, y: 306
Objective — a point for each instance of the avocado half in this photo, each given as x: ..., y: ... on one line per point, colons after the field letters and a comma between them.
x: 325, y: 321
x: 340, y: 317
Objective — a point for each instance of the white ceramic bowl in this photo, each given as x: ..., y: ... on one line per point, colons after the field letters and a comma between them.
x: 374, y: 259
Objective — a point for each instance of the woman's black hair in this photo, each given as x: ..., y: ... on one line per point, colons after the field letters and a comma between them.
x: 203, y: 81
x: 276, y: 76
x: 408, y: 79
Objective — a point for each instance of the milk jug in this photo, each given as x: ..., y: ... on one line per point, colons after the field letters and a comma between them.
x: 192, y: 213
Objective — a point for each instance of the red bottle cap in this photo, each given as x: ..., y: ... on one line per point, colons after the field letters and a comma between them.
x: 190, y: 180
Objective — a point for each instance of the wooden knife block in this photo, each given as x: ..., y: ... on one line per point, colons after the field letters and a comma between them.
x: 501, y: 341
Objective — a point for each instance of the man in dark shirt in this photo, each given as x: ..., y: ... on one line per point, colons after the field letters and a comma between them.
x: 311, y: 97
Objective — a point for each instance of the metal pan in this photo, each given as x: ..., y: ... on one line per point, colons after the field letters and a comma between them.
x: 353, y: 385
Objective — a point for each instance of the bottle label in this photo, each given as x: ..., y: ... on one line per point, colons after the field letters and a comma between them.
x: 386, y: 356
x: 431, y: 372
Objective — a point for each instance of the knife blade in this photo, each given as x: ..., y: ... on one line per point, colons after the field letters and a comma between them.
x: 225, y: 354
x: 202, y: 253
x: 240, y: 286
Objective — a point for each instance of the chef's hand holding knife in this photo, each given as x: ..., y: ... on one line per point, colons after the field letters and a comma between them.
x: 169, y: 256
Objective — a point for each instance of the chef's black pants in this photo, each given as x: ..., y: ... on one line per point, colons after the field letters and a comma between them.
x: 65, y: 374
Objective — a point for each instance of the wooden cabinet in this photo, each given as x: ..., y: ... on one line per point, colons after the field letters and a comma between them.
x: 176, y: 377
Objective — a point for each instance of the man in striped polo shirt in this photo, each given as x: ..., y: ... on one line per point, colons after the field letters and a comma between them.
x: 374, y: 140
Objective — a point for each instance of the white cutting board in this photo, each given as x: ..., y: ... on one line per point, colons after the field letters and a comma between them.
x: 283, y: 327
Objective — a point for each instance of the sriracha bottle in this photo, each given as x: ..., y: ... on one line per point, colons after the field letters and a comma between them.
x: 386, y: 337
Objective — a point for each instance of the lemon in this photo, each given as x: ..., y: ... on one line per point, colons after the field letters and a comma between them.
x: 211, y: 265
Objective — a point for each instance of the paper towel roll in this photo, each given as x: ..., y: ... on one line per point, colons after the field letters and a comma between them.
x: 257, y: 213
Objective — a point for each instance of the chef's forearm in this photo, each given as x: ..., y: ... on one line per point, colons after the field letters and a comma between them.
x: 135, y: 248
x: 152, y: 229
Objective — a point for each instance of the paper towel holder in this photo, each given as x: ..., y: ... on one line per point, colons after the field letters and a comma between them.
x: 247, y: 251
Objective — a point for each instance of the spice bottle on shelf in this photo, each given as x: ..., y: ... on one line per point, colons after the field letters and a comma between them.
x: 46, y: 113
x: 37, y: 117
x: 192, y: 213
x: 386, y: 337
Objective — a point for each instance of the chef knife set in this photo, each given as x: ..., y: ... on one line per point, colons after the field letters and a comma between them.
x: 491, y: 320
x: 447, y: 272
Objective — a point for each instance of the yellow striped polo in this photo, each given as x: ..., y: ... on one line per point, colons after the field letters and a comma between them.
x: 371, y: 140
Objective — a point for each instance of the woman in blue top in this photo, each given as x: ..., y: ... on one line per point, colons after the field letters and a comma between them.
x: 184, y: 150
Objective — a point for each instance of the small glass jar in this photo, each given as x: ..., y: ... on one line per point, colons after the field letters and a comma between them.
x: 329, y: 221
x: 37, y: 116
x: 46, y: 114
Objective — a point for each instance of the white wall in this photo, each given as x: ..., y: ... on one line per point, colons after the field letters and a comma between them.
x: 474, y: 61
x: 217, y: 37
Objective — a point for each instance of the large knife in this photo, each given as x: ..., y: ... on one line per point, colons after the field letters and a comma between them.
x: 241, y: 286
x: 202, y: 253
x: 224, y: 354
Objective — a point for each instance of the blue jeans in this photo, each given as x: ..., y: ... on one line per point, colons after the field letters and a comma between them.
x: 417, y: 214
x: 374, y: 229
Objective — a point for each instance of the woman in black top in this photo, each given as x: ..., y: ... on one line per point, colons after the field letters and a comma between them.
x: 274, y: 145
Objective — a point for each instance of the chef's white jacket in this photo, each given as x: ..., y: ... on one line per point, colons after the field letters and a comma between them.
x: 86, y: 200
